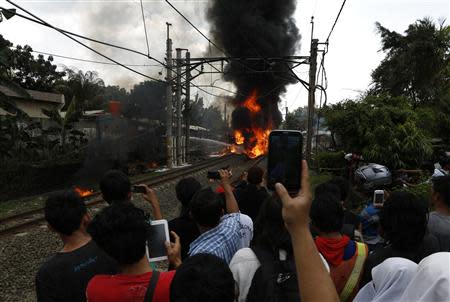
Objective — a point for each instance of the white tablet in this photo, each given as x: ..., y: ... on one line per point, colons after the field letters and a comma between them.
x: 159, y: 234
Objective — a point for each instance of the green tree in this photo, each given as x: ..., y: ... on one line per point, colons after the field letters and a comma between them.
x: 416, y: 63
x: 22, y: 68
x: 63, y: 124
x: 148, y: 100
x: 114, y: 93
x: 381, y: 128
x: 417, y: 66
x: 298, y: 119
x: 83, y: 89
x: 6, y: 80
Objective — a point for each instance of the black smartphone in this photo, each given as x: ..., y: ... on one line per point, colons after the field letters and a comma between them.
x: 213, y: 175
x: 284, y: 159
x: 139, y: 189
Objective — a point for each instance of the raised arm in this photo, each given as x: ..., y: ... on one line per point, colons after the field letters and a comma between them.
x: 152, y: 199
x: 314, y: 281
x: 230, y: 200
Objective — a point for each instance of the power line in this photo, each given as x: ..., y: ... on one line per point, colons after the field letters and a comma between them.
x: 195, y: 27
x: 207, y: 92
x: 145, y: 28
x: 86, y: 46
x: 87, y: 38
x: 92, y: 61
x: 337, y: 18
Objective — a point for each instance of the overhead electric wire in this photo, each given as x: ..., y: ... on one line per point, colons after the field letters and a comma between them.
x: 145, y: 28
x: 88, y: 38
x: 92, y: 61
x: 335, y: 21
x: 195, y: 27
x: 86, y: 46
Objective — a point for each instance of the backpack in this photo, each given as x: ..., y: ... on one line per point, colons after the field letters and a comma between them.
x: 275, y: 280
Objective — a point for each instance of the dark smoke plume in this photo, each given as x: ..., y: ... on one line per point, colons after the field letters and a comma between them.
x: 256, y: 28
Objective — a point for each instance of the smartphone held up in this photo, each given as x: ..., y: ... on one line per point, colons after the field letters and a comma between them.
x: 284, y: 159
x: 378, y: 197
x: 139, y: 189
x: 159, y: 235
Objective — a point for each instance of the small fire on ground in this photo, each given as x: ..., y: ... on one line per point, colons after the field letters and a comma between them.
x: 253, y: 141
x: 83, y: 192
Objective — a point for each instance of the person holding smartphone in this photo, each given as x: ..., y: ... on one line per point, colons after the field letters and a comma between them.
x: 220, y: 235
x: 370, y: 221
x: 116, y: 187
x: 122, y: 231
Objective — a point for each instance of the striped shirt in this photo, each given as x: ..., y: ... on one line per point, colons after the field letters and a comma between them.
x: 224, y: 240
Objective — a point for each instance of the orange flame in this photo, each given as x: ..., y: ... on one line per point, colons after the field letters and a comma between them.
x: 251, y: 103
x: 83, y: 192
x: 238, y: 137
x: 260, y: 142
x: 256, y: 140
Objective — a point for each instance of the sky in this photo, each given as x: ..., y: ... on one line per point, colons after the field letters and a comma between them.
x: 354, y: 49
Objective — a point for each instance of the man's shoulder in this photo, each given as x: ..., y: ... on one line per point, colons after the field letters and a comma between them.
x: 243, y: 256
x: 51, y: 264
x: 435, y: 217
x: 100, y: 284
x: 82, y: 257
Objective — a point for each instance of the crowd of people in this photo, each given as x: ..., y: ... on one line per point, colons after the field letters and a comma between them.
x: 245, y: 243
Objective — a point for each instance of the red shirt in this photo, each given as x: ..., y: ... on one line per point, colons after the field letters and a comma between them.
x: 128, y: 288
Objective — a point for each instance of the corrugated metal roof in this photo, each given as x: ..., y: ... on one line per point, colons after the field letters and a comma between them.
x: 35, y: 95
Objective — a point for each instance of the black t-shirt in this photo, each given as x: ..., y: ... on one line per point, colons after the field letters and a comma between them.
x: 250, y: 199
x: 64, y: 277
x: 187, y: 230
x: 351, y: 218
x: 430, y: 245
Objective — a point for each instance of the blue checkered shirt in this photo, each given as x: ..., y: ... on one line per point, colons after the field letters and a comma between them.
x: 223, y: 241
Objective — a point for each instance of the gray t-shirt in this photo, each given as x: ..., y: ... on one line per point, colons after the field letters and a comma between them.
x: 439, y: 226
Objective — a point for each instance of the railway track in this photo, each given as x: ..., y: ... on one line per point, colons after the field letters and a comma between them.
x: 19, y: 222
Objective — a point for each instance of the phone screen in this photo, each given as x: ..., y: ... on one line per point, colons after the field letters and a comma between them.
x: 379, y: 198
x: 284, y: 162
x: 139, y: 189
x: 156, y: 242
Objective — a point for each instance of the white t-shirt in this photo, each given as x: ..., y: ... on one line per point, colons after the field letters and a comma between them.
x: 246, y: 231
x: 244, y: 265
x: 439, y: 173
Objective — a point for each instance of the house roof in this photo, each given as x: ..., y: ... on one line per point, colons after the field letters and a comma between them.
x: 35, y: 95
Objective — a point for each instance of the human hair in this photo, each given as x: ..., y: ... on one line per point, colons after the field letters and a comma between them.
x: 427, y: 166
x: 270, y: 230
x: 205, y: 208
x: 185, y: 190
x: 328, y: 188
x: 441, y: 186
x: 403, y: 219
x: 444, y: 161
x: 255, y: 175
x: 121, y: 230
x: 64, y: 211
x: 326, y: 213
x: 343, y: 185
x: 203, y: 278
x: 115, y: 186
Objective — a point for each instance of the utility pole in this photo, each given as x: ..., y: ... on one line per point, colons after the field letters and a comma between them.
x: 187, y: 108
x: 178, y: 109
x: 169, y: 105
x: 286, y: 114
x: 311, y: 96
x: 225, y: 113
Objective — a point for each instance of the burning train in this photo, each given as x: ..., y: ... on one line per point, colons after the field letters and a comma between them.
x: 260, y: 29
